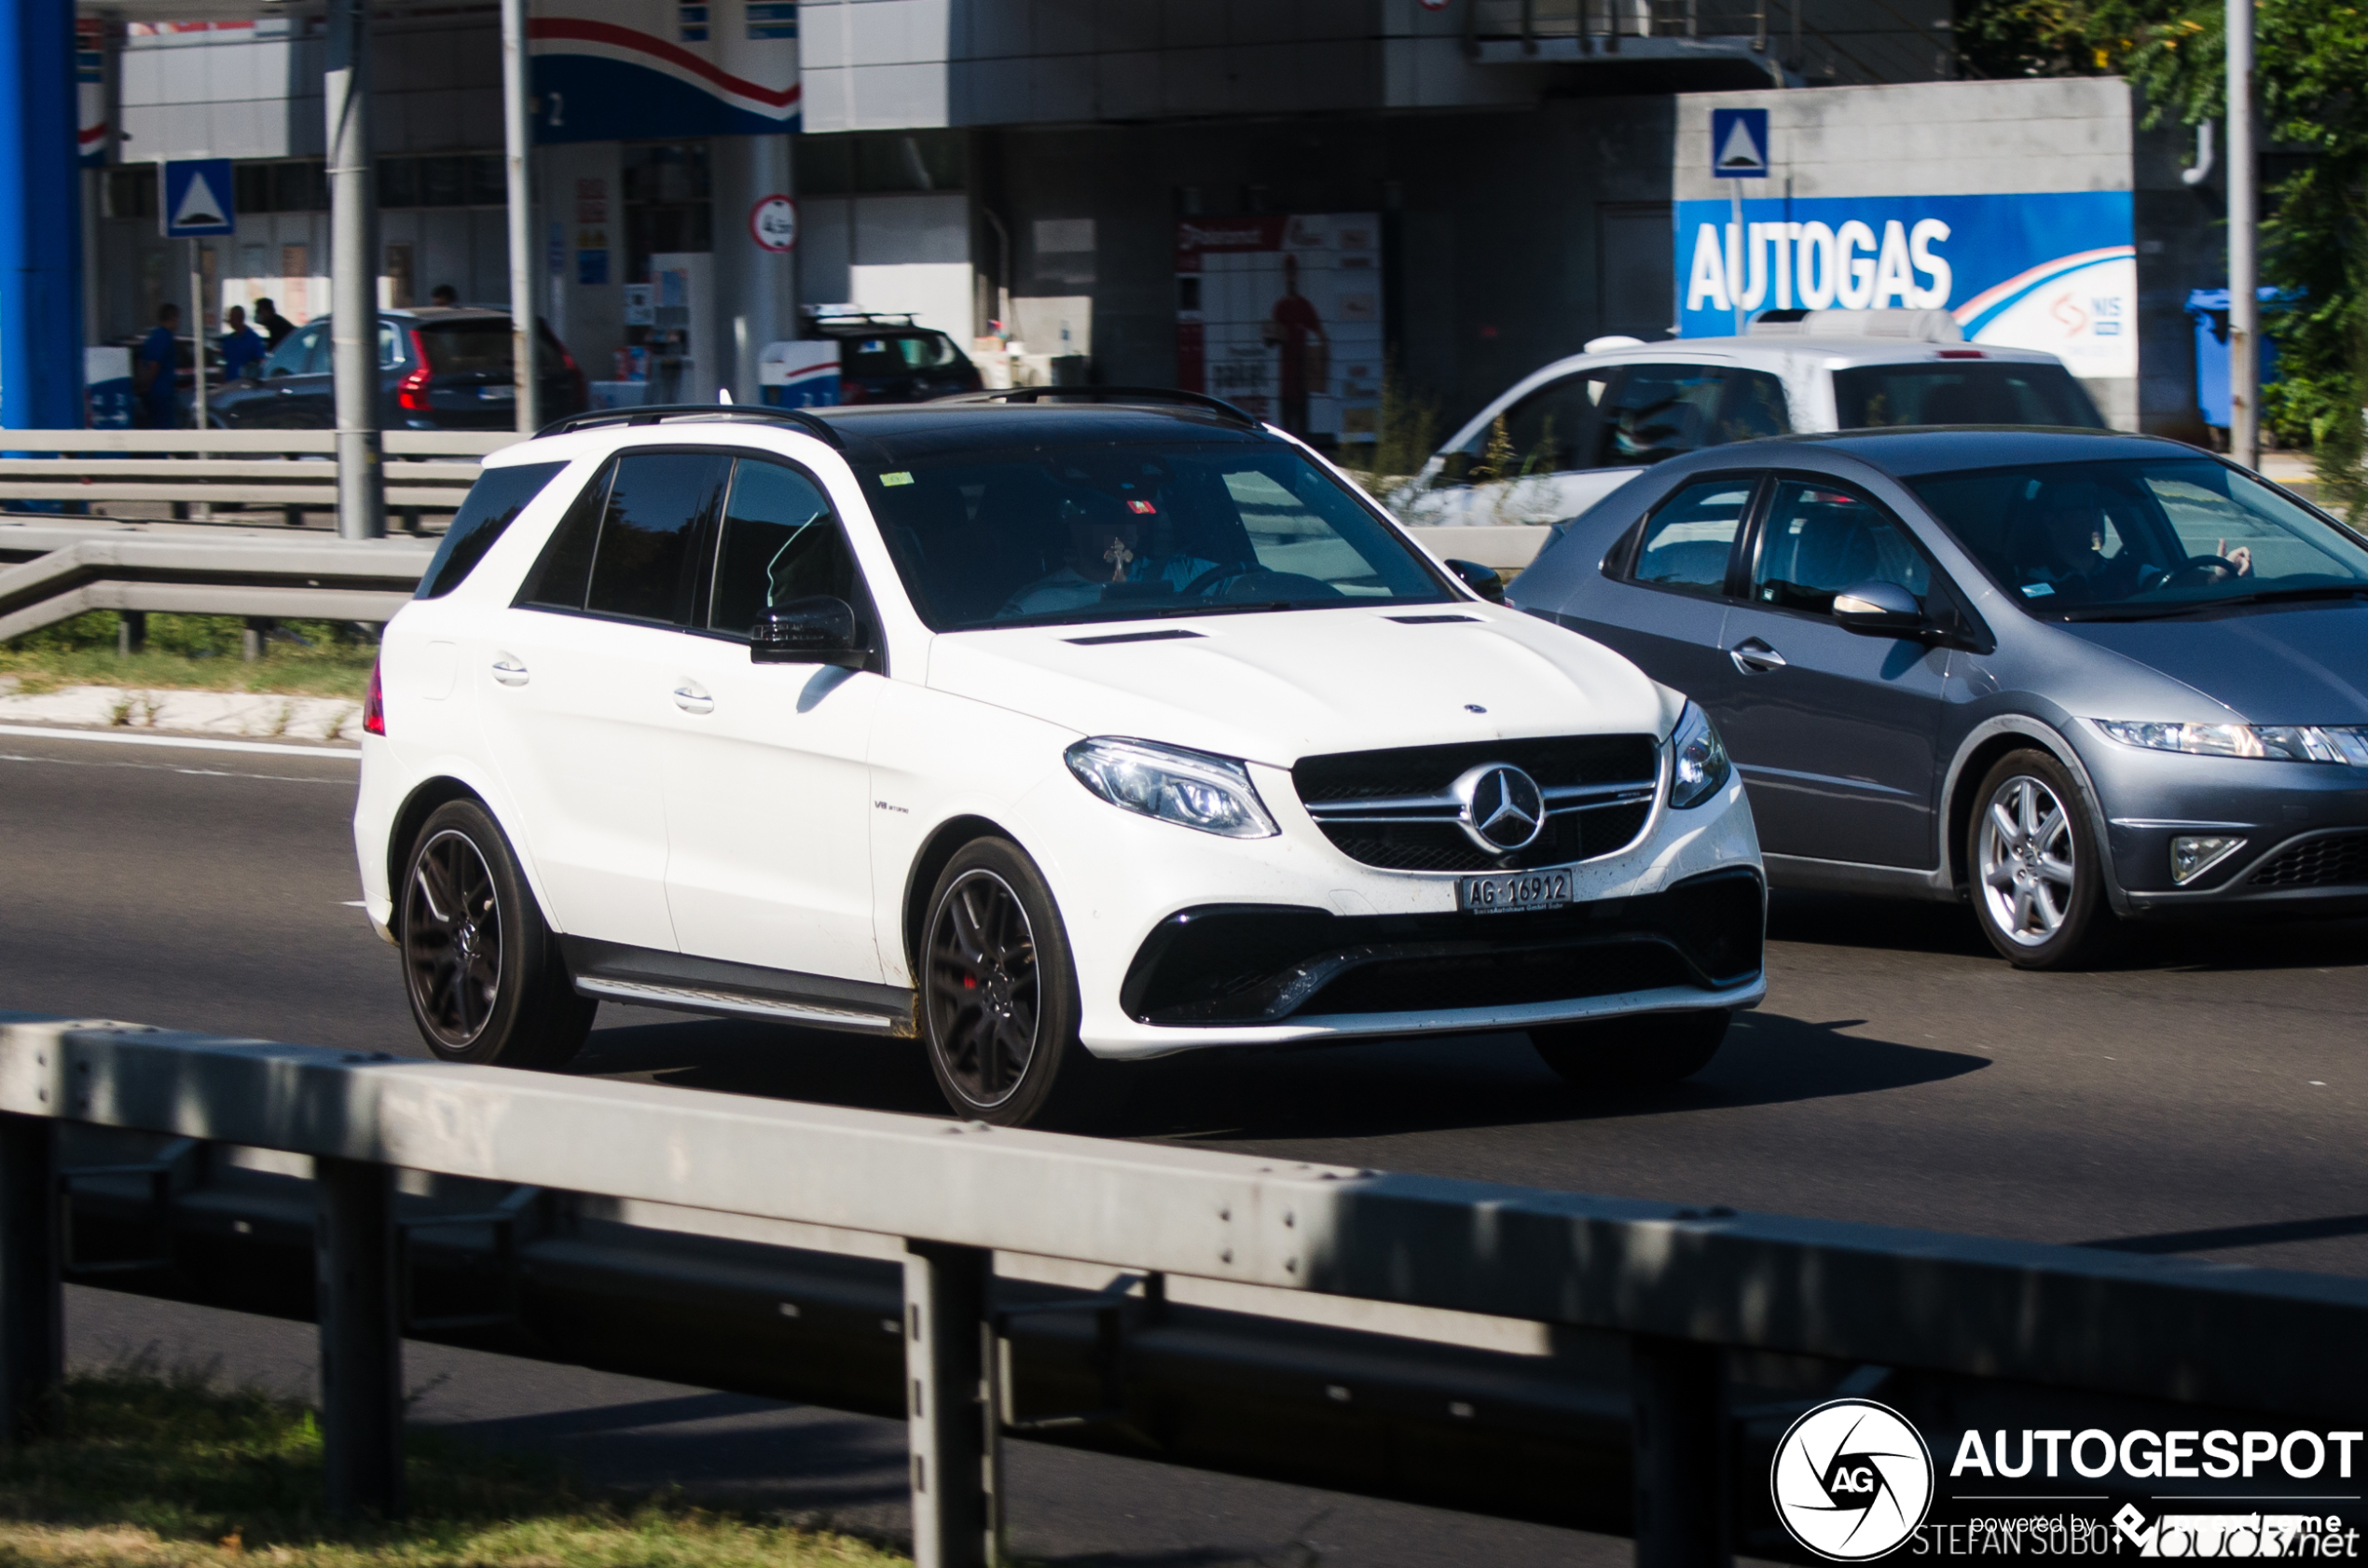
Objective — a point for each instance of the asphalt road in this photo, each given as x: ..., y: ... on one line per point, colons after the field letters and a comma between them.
x: 2201, y: 1096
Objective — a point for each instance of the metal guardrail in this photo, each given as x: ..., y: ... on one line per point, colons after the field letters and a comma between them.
x: 51, y: 569
x: 224, y: 467
x: 1683, y: 1290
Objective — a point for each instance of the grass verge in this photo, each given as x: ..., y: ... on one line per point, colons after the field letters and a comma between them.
x: 192, y: 653
x: 153, y: 1469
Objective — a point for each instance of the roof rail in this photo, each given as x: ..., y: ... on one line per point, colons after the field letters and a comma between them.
x: 1111, y: 394
x: 747, y: 413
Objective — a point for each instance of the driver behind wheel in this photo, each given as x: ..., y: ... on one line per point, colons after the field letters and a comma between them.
x: 1107, y: 546
x: 2058, y: 544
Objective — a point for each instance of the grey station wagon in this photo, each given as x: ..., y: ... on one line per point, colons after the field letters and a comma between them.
x: 2071, y: 675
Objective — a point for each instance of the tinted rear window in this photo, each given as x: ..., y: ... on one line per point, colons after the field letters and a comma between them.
x: 1962, y: 393
x: 492, y: 504
x: 454, y: 347
x: 897, y: 356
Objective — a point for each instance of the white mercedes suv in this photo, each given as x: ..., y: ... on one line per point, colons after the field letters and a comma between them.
x: 1056, y: 733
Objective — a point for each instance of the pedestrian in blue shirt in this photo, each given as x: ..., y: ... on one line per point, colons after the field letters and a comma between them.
x: 241, y: 345
x: 156, y: 378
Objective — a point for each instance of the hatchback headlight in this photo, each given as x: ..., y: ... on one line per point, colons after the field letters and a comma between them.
x: 2283, y: 743
x: 1700, y: 768
x: 1190, y: 788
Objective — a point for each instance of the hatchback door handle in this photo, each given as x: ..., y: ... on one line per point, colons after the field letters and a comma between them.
x: 1754, y: 657
x: 508, y: 670
x: 691, y: 697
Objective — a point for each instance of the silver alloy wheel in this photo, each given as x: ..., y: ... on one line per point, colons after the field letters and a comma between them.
x: 2028, y: 870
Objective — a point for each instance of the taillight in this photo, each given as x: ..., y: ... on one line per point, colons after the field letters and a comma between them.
x: 851, y: 390
x: 412, y: 390
x: 374, y: 705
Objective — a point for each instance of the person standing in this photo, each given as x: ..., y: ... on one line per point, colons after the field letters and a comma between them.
x: 1289, y: 326
x: 275, y: 325
x: 240, y: 347
x: 445, y: 298
x: 156, y: 378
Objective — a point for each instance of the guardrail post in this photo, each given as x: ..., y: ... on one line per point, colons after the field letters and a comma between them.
x: 360, y: 1343
x: 1679, y: 1390
x: 31, y: 1303
x: 946, y: 1339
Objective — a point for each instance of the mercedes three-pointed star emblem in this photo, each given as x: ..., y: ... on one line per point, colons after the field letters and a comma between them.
x: 1501, y: 808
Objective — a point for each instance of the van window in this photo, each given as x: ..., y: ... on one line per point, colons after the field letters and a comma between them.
x: 1962, y: 393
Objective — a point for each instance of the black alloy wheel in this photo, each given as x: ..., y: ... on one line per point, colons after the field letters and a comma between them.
x: 482, y: 970
x: 999, y: 1003
x: 984, y: 1002
x: 452, y: 940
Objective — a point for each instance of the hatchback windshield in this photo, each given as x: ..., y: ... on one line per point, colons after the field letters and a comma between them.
x: 1110, y: 532
x: 1962, y: 393
x: 2138, y: 539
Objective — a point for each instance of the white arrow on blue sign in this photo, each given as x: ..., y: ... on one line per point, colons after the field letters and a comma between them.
x: 198, y: 199
x: 1739, y: 144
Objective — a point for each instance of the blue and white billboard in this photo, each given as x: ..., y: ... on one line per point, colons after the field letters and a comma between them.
x: 2053, y: 271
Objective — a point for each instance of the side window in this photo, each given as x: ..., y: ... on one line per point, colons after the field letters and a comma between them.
x: 1550, y: 431
x: 491, y: 505
x: 1818, y: 541
x: 289, y: 358
x: 656, y: 504
x: 390, y: 346
x: 1688, y: 541
x: 778, y: 543
x: 1660, y: 411
x: 1754, y: 407
x: 558, y: 580
x: 317, y: 347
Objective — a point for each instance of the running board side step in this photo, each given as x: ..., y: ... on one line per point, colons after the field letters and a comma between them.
x: 682, y: 983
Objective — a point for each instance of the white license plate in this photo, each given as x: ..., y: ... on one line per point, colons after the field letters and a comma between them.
x: 1514, y: 891
x: 497, y: 394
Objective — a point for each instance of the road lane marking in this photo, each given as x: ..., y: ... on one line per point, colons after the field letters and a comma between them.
x: 162, y: 767
x: 194, y: 743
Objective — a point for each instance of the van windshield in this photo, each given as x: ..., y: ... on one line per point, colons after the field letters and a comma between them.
x: 2143, y: 539
x: 1962, y: 393
x: 1048, y: 534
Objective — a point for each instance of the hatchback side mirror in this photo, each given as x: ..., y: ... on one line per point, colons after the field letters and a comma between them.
x: 1879, y: 609
x: 809, y: 632
x: 1485, y: 581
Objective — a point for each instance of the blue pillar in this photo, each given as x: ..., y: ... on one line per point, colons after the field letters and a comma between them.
x: 40, y: 219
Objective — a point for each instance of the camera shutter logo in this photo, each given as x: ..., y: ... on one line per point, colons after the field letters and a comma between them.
x: 1851, y: 1480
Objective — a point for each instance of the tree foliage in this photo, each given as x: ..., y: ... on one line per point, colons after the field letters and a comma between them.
x: 2311, y: 92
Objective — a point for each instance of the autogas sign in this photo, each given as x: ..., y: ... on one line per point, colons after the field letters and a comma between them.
x: 2053, y: 271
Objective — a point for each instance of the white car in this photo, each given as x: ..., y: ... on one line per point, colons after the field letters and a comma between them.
x: 1567, y: 436
x: 1056, y: 735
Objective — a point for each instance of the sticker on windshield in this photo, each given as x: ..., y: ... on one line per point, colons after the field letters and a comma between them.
x: 905, y: 477
x: 2038, y: 590
x: 1144, y: 506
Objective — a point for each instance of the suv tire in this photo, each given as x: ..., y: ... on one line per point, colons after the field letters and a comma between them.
x: 482, y: 971
x: 999, y: 1003
x: 2034, y: 871
x: 1642, y: 1050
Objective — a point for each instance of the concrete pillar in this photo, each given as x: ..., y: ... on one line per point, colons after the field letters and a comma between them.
x: 353, y: 274
x: 756, y: 288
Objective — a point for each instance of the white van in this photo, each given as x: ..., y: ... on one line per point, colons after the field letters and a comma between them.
x: 1565, y: 437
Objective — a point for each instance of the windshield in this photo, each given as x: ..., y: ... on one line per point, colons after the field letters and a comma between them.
x: 1106, y: 532
x: 2139, y: 539
x: 1962, y: 393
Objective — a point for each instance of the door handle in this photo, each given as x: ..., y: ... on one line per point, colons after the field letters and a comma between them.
x: 508, y: 670
x: 1754, y: 657
x: 691, y: 697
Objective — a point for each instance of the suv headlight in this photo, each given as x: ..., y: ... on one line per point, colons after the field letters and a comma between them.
x: 1700, y: 768
x: 2283, y: 743
x: 1191, y: 789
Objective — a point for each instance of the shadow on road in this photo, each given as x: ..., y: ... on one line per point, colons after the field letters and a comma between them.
x: 1408, y: 1085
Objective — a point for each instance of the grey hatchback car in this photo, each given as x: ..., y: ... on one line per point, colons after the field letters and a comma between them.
x: 2061, y: 673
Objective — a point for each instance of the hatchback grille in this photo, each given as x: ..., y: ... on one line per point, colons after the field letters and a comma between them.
x: 2339, y: 860
x: 1598, y: 789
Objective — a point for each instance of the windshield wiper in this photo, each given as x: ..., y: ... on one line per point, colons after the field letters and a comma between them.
x: 2290, y: 596
x: 2237, y: 601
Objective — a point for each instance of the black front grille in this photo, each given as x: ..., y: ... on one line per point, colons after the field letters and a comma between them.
x: 2336, y: 861
x: 1346, y: 776
x: 1263, y: 963
x: 1574, y: 835
x: 1423, y: 770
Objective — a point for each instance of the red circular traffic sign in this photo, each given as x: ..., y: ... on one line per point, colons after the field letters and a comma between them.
x: 773, y: 224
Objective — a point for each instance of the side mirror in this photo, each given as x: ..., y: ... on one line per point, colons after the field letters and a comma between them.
x: 1485, y: 581
x: 808, y: 631
x: 1879, y: 609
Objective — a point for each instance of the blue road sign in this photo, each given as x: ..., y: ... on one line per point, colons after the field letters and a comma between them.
x: 198, y: 199
x: 1739, y: 144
